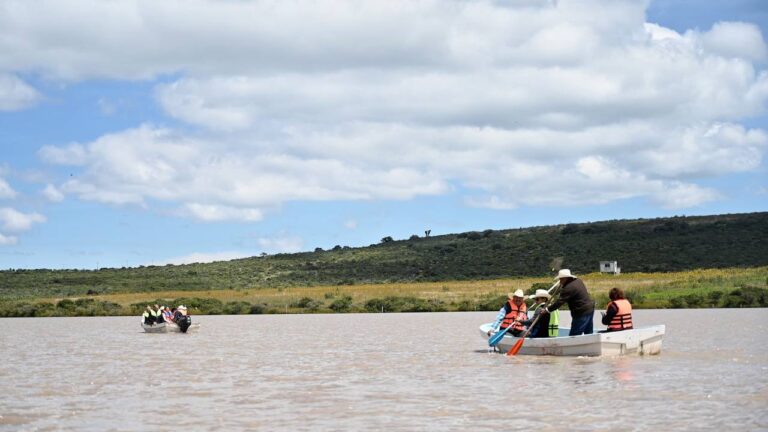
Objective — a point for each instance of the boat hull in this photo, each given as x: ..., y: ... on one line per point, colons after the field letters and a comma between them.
x: 638, y: 341
x: 168, y: 327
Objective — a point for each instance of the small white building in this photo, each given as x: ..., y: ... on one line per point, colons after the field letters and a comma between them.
x: 610, y: 267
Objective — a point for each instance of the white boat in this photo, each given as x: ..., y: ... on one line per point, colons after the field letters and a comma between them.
x: 168, y: 327
x: 638, y: 341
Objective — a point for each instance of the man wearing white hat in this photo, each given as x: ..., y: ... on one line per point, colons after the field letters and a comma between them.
x: 582, y: 306
x: 512, y: 314
x: 546, y: 326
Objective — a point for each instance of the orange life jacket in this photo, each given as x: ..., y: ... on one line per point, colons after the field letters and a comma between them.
x: 514, y: 313
x: 623, y: 318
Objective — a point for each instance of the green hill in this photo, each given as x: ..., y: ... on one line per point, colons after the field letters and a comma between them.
x: 642, y: 245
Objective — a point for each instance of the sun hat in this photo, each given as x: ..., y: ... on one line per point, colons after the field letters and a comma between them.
x: 518, y: 293
x: 542, y: 293
x: 565, y: 273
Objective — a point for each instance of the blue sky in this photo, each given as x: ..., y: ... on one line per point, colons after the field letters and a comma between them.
x: 190, y: 131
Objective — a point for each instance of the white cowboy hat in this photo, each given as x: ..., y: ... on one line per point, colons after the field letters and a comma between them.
x: 541, y: 293
x: 565, y: 273
x: 518, y: 293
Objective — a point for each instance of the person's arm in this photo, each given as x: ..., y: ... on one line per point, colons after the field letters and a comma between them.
x: 536, y: 313
x: 610, y: 313
x: 565, y: 295
x: 499, y: 317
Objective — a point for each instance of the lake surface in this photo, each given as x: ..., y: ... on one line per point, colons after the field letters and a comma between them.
x: 428, y: 371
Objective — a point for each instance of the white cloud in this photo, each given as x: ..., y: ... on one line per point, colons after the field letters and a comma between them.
x: 15, y: 221
x: 72, y: 154
x: 15, y: 94
x: 213, y: 213
x: 52, y: 193
x: 680, y: 196
x: 204, y: 257
x: 282, y: 243
x: 350, y: 224
x: 736, y: 39
x: 519, y: 103
x: 8, y: 240
x: 6, y: 191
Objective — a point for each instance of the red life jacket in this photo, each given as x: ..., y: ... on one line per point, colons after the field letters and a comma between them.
x: 623, y: 318
x: 514, y: 313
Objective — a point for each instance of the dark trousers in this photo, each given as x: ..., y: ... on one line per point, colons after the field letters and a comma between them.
x: 581, y: 325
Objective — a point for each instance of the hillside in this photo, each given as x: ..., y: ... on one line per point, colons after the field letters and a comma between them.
x: 642, y: 245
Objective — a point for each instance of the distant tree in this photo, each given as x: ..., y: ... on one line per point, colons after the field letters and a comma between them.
x: 386, y: 239
x: 337, y: 248
x: 318, y: 249
x: 427, y: 232
x: 414, y: 237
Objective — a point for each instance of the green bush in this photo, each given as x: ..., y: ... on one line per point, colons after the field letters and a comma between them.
x: 342, y: 304
x: 746, y: 296
x: 237, y: 308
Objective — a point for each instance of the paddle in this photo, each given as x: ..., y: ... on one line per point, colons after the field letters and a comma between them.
x: 496, y: 338
x: 519, y: 344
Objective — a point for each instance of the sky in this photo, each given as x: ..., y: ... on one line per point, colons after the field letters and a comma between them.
x: 148, y: 133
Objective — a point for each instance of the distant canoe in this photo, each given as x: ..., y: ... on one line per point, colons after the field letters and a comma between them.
x: 168, y: 327
x: 638, y: 341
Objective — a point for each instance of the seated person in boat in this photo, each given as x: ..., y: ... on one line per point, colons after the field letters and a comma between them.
x: 512, y: 314
x: 167, y: 314
x: 180, y: 313
x: 548, y: 324
x: 159, y: 314
x: 618, y: 316
x: 149, y: 315
x: 181, y: 318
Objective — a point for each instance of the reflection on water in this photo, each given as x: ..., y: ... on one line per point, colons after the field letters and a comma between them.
x: 373, y: 371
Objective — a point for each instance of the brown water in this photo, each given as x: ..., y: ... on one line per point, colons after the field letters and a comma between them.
x: 374, y: 372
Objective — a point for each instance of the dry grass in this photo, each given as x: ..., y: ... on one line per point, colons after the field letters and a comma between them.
x: 653, y: 284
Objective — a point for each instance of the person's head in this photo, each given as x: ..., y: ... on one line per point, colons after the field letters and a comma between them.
x: 564, y: 276
x: 517, y: 296
x: 149, y: 307
x: 541, y: 296
x: 616, y: 294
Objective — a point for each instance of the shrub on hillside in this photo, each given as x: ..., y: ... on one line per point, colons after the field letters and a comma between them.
x: 342, y: 304
x: 237, y: 308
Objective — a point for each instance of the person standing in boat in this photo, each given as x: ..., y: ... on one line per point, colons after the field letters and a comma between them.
x: 547, y: 325
x: 512, y: 314
x: 618, y: 316
x: 582, y: 306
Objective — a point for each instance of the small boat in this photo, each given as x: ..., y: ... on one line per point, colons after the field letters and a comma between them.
x: 637, y: 341
x: 168, y: 327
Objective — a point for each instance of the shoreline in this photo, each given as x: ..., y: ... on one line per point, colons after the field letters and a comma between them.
x: 693, y: 289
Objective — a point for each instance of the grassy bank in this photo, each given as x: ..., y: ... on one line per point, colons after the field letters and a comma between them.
x: 732, y: 287
x: 661, y: 245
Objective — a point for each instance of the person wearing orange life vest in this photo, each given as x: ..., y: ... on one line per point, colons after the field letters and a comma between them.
x: 512, y: 314
x: 618, y: 316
